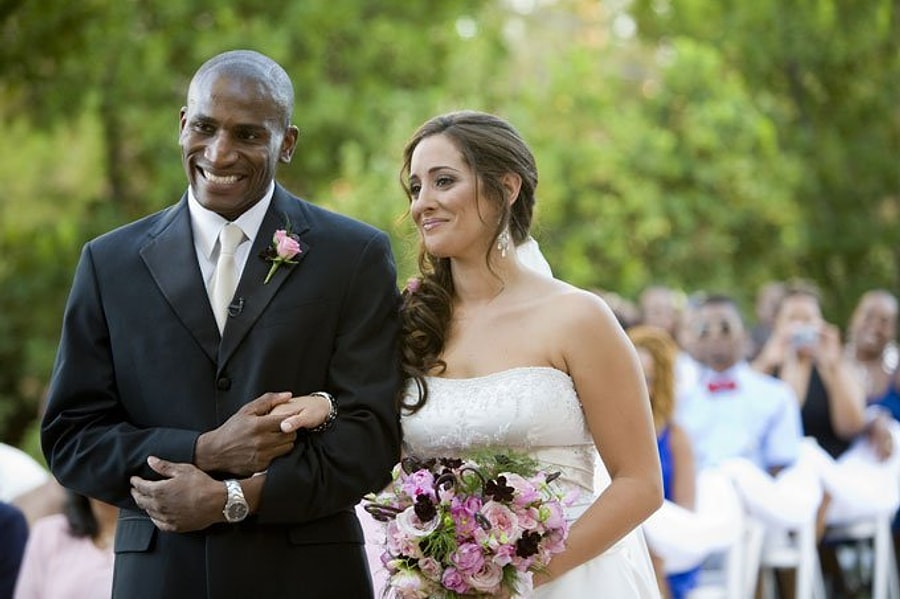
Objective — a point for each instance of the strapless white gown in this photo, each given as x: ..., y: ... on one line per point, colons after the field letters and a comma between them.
x: 534, y: 410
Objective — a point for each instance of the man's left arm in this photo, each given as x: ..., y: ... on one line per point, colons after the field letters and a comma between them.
x: 332, y: 470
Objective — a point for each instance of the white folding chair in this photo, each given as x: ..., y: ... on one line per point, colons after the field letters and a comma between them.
x: 735, y: 576
x: 799, y: 552
x: 885, y: 580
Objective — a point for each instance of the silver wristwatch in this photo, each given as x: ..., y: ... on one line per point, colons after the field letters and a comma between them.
x: 236, y: 508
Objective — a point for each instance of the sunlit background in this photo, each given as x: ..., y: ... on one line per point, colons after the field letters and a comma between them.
x: 706, y: 145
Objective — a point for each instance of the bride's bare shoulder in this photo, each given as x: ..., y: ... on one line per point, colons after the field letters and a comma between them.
x: 575, y: 306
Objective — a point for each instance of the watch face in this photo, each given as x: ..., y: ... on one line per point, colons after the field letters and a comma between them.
x: 236, y: 511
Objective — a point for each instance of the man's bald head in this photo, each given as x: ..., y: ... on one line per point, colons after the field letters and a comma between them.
x: 252, y: 66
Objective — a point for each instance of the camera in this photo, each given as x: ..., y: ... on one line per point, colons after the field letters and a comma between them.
x: 805, y: 336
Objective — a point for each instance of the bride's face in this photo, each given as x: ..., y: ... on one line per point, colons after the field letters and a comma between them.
x: 445, y: 201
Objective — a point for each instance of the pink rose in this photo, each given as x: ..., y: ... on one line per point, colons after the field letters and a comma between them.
x: 399, y: 542
x: 487, y: 580
x: 468, y: 558
x: 528, y: 518
x: 285, y: 245
x: 504, y: 555
x: 409, y: 585
x: 431, y: 568
x: 453, y: 580
x: 504, y: 522
x: 409, y: 525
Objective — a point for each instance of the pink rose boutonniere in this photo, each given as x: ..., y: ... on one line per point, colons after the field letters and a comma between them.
x: 285, y: 247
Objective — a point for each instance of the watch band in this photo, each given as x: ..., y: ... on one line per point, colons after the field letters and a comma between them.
x: 236, y: 506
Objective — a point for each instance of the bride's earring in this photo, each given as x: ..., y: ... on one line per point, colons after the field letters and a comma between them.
x: 503, y: 243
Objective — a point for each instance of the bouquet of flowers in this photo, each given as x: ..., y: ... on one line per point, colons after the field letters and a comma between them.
x: 476, y: 527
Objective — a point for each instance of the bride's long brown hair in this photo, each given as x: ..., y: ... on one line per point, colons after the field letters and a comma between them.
x: 492, y: 148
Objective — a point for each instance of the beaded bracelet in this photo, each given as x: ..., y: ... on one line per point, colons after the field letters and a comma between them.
x: 332, y: 413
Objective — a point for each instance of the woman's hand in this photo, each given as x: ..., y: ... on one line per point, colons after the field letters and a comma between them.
x: 828, y: 351
x: 304, y: 411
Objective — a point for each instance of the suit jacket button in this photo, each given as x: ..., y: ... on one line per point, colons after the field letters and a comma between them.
x: 224, y: 383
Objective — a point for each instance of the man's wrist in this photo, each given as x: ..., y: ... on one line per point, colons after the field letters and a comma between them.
x: 204, y: 455
x: 236, y: 507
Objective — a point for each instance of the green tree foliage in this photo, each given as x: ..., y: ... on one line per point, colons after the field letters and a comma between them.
x: 828, y: 75
x: 707, y: 145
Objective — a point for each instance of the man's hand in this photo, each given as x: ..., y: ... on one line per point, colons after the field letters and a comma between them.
x: 186, y: 499
x: 247, y: 442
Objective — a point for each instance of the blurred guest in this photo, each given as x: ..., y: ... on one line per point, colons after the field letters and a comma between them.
x: 872, y: 345
x: 806, y: 352
x: 768, y: 298
x: 873, y: 348
x: 745, y: 422
x: 13, y: 535
x: 851, y: 452
x: 661, y: 307
x: 70, y: 555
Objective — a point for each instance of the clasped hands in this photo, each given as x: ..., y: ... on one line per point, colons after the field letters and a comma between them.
x: 187, y: 498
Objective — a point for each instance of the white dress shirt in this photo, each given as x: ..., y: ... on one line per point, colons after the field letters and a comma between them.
x: 206, y: 226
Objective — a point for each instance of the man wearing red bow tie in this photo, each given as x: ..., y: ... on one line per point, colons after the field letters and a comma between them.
x: 745, y: 422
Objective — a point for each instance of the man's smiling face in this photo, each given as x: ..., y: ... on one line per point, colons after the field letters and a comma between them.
x: 233, y: 134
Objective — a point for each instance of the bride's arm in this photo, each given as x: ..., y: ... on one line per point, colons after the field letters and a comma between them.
x: 607, y: 375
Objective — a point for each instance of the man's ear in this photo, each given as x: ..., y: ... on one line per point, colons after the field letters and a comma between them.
x: 289, y: 144
x: 512, y: 183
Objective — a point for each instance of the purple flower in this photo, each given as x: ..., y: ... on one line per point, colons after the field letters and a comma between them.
x: 420, y: 482
x: 463, y: 511
x: 525, y: 493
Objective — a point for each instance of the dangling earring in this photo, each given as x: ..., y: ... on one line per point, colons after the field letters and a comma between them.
x: 503, y: 243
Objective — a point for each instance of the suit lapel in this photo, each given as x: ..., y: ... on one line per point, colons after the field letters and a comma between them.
x: 172, y: 261
x: 252, y: 295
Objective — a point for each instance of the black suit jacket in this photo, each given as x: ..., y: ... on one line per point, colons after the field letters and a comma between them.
x: 141, y: 370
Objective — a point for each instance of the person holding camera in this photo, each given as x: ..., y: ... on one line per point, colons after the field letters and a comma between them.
x: 852, y: 449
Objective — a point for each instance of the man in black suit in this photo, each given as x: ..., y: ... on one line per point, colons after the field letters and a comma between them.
x: 161, y: 393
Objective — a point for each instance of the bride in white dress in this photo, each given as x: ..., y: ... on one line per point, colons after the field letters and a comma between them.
x: 499, y: 355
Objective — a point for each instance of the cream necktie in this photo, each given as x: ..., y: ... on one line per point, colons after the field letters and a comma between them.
x: 225, y: 278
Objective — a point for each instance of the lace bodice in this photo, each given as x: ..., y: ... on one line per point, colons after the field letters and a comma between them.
x: 531, y: 409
